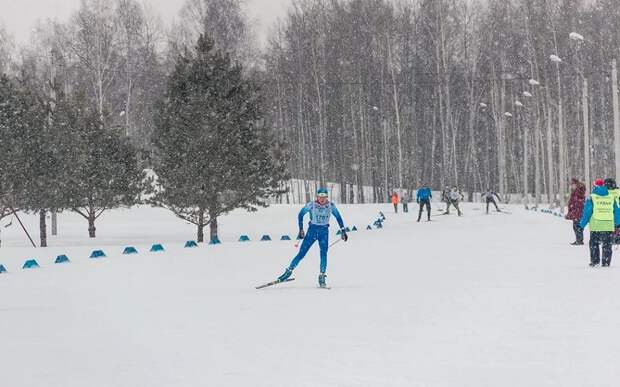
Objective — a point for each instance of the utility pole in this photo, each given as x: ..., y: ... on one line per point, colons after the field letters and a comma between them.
x: 614, y: 86
x: 586, y: 133
x: 561, y: 146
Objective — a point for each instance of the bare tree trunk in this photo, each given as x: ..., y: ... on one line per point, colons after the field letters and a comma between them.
x: 213, y: 230
x: 43, y: 228
x: 200, y: 238
x: 91, y: 224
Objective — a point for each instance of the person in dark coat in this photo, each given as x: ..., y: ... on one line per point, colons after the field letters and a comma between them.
x: 575, y: 209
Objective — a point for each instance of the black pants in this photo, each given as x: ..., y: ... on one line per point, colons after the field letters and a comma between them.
x: 396, y: 208
x: 489, y: 201
x: 423, y: 203
x: 405, y: 207
x: 597, y: 238
x: 578, y: 232
x: 454, y: 203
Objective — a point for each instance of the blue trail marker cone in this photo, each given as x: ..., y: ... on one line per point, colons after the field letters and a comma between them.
x: 62, y: 259
x: 2, y: 269
x: 97, y: 254
x: 354, y: 228
x: 244, y: 238
x: 156, y: 248
x: 368, y: 227
x: 285, y: 238
x: 265, y: 238
x: 190, y: 244
x: 30, y: 264
x: 130, y: 250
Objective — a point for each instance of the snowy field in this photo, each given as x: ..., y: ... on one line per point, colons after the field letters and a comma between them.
x: 498, y: 300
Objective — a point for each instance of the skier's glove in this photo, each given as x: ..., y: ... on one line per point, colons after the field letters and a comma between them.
x: 343, y: 235
x: 301, y: 234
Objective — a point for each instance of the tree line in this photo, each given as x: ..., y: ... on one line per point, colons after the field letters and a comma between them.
x: 365, y: 93
x: 393, y: 94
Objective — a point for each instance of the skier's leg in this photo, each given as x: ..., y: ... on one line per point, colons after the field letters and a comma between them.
x: 595, y: 256
x: 458, y: 209
x: 323, y: 237
x: 308, y: 241
x: 488, y: 202
x: 428, y: 209
x: 606, y: 239
x: 578, y: 232
x: 496, y: 207
x: 421, y: 204
x: 448, y: 207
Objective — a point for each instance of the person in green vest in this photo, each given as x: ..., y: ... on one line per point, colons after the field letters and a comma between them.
x: 603, y: 214
x: 614, y: 191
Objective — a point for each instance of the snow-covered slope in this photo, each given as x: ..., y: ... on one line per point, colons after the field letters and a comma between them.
x: 497, y: 300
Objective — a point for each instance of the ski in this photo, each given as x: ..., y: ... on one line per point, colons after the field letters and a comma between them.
x: 274, y: 283
x: 324, y: 287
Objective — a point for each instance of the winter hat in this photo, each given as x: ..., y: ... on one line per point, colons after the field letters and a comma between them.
x: 599, y: 182
x: 322, y: 192
x: 610, y: 183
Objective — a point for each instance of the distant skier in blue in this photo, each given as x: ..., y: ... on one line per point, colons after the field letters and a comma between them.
x: 320, y: 212
x: 423, y: 198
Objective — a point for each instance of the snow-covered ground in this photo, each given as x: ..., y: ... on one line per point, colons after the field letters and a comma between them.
x: 498, y: 300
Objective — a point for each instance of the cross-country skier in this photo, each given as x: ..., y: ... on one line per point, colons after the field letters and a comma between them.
x: 489, y: 197
x: 454, y: 197
x: 423, y: 198
x: 320, y: 212
x: 395, y: 200
x: 602, y: 213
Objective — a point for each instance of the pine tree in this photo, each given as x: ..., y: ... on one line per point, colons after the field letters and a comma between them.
x: 213, y: 156
x: 11, y: 168
x: 42, y: 150
x: 103, y: 165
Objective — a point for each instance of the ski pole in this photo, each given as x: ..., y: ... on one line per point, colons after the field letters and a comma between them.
x: 333, y: 243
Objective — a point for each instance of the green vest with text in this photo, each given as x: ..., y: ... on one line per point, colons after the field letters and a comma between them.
x: 615, y: 193
x: 602, y: 213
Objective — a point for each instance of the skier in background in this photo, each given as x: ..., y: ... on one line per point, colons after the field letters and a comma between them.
x: 445, y: 197
x: 489, y: 197
x: 575, y: 208
x: 423, y: 198
x: 405, y: 201
x: 602, y: 213
x: 454, y: 197
x: 320, y: 212
x: 395, y: 201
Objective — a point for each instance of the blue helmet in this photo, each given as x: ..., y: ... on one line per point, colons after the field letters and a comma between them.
x: 322, y: 192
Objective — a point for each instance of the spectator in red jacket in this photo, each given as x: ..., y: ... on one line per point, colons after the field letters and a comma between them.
x: 575, y: 208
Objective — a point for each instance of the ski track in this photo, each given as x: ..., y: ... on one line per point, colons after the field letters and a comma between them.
x: 472, y: 301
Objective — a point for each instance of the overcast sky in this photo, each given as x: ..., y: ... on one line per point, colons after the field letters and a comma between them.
x: 19, y: 16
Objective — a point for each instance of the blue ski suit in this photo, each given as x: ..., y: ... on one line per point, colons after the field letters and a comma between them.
x: 318, y: 230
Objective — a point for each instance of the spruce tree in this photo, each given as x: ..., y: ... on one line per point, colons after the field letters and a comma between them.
x: 103, y: 166
x: 213, y: 155
x: 11, y: 166
x: 43, y: 150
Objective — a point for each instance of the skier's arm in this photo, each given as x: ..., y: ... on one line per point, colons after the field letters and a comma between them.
x: 336, y: 214
x: 302, y: 213
x: 616, y: 215
x: 587, y: 214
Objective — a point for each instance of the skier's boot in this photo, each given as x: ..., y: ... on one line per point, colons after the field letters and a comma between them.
x: 593, y: 264
x: 577, y: 243
x: 287, y: 273
x: 322, y: 283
